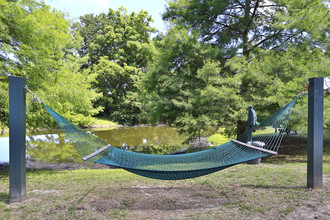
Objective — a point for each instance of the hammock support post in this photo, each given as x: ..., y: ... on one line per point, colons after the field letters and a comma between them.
x: 315, y: 133
x: 17, y: 138
x: 251, y: 122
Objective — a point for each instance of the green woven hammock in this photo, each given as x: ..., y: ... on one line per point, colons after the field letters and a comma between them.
x: 266, y: 139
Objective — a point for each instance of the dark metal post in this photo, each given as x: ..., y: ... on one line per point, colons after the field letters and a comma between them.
x: 315, y: 133
x: 250, y: 130
x: 17, y: 132
x: 250, y: 123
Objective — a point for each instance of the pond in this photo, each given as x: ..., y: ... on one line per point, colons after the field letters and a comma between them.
x: 55, y: 148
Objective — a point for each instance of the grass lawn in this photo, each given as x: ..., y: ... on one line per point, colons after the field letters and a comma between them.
x: 103, y: 122
x: 98, y: 124
x: 275, y: 189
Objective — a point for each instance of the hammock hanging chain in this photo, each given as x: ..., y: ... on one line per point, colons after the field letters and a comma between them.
x: 303, y: 90
x: 35, y: 98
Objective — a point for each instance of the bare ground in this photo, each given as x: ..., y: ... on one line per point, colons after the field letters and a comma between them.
x: 184, y: 202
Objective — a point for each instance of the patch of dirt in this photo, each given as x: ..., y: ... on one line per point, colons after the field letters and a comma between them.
x: 204, y: 202
x: 311, y: 211
x: 46, y: 192
x: 158, y: 202
x: 315, y: 207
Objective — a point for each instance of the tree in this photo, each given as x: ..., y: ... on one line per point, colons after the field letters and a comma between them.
x: 275, y: 78
x: 36, y: 43
x: 242, y: 26
x: 119, y: 49
x: 266, y: 52
x: 182, y: 86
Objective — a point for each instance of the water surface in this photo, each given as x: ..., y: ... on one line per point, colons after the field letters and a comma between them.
x: 55, y: 148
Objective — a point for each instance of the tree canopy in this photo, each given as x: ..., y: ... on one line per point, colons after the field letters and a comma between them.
x: 242, y: 26
x: 36, y: 43
x: 119, y: 48
x: 265, y: 52
x: 217, y: 58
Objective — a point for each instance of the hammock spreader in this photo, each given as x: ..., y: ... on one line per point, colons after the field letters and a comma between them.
x: 266, y: 139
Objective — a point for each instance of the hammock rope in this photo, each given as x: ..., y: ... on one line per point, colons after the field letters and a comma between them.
x: 266, y: 140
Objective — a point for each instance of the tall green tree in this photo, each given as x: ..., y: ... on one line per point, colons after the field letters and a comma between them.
x: 36, y: 43
x: 182, y: 87
x: 268, y: 50
x: 242, y: 26
x: 119, y: 49
x: 275, y: 78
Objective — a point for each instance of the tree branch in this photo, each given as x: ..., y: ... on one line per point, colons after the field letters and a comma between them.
x: 240, y: 3
x: 266, y: 39
x: 253, y: 14
x: 288, y: 38
x: 265, y: 6
x: 230, y: 27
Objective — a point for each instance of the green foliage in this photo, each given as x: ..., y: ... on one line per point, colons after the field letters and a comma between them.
x: 103, y: 122
x: 4, y: 110
x: 119, y: 49
x: 218, y: 139
x: 252, y: 24
x: 156, y: 149
x: 115, y: 82
x: 217, y: 58
x: 326, y: 115
x: 220, y: 57
x: 272, y: 79
x: 36, y: 44
x: 181, y: 82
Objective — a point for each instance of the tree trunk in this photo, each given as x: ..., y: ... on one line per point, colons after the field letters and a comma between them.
x: 242, y: 127
x: 245, y: 37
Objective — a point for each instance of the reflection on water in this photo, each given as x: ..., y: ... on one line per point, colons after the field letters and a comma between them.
x: 51, y: 148
x: 55, y: 148
x: 134, y: 136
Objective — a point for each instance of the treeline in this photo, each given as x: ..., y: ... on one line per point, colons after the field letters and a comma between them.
x: 216, y: 58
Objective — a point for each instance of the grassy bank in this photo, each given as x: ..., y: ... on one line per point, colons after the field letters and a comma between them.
x: 103, y: 123
x: 98, y: 123
x: 275, y: 189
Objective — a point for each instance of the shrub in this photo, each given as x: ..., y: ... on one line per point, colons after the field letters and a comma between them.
x: 218, y: 139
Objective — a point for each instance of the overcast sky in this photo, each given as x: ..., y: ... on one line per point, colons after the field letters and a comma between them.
x: 76, y: 8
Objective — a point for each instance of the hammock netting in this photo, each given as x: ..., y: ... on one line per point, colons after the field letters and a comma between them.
x: 267, y: 135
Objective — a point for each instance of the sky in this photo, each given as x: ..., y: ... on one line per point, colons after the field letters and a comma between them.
x: 326, y: 83
x: 76, y: 8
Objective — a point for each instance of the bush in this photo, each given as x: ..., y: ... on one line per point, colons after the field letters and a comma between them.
x: 218, y: 139
x: 156, y: 149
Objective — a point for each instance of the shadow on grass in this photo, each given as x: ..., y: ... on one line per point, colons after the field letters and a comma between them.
x: 4, y: 170
x: 71, y: 210
x: 41, y: 171
x: 5, y: 173
x: 168, y: 198
x: 264, y: 186
x: 283, y: 160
